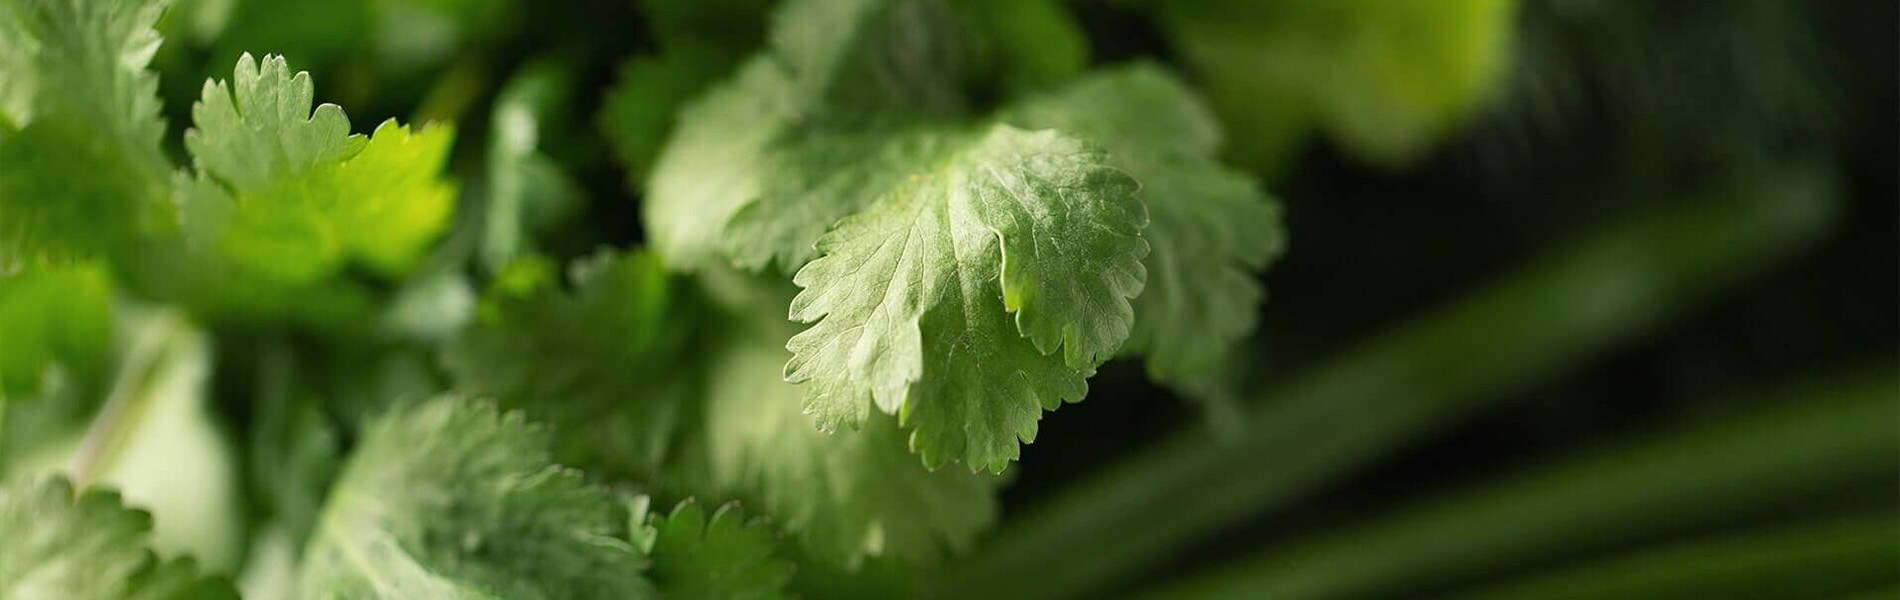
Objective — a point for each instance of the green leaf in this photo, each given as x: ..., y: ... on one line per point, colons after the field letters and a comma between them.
x: 598, y: 363
x: 932, y: 217
x: 53, y: 318
x: 289, y: 196
x: 831, y: 67
x: 80, y: 164
x: 452, y: 499
x: 1212, y: 228
x: 1384, y: 77
x: 640, y: 110
x: 724, y: 556
x: 845, y: 495
x: 56, y: 544
x: 701, y: 42
x: 1027, y: 44
x: 825, y: 177
x: 911, y: 299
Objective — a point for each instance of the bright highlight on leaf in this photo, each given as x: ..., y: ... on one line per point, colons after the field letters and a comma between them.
x: 61, y: 544
x: 963, y: 274
x: 291, y: 196
x: 910, y: 299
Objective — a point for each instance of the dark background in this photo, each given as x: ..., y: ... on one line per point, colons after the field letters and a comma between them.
x: 1371, y: 248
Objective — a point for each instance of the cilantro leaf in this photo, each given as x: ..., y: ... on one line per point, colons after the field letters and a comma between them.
x: 1211, y: 227
x: 845, y: 495
x: 80, y: 164
x: 452, y: 499
x: 931, y: 220
x: 596, y: 363
x: 829, y: 65
x: 87, y: 546
x: 638, y: 112
x: 911, y: 298
x: 289, y: 196
x: 1027, y: 44
x: 701, y: 42
x: 722, y: 556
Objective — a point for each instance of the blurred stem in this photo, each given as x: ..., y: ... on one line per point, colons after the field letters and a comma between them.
x: 1820, y: 556
x: 126, y: 404
x: 1823, y: 438
x: 1443, y: 368
x: 454, y: 92
x: 1882, y: 593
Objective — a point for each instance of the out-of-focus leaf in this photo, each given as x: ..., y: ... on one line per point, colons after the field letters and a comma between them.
x: 53, y: 318
x: 452, y: 499
x: 1026, y: 45
x: 1210, y: 231
x: 641, y: 108
x: 81, y: 170
x: 1385, y: 78
x: 722, y: 556
x: 598, y: 363
x: 844, y: 496
x: 60, y: 544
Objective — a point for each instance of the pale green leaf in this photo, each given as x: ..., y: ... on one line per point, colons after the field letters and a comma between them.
x: 80, y: 165
x: 844, y: 495
x: 831, y: 66
x: 911, y: 299
x: 639, y: 112
x: 58, y: 544
x: 450, y: 499
x: 1212, y: 228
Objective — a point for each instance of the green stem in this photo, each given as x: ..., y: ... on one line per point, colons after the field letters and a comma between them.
x: 1815, y: 558
x: 126, y: 404
x: 1395, y: 391
x: 1826, y: 437
x: 1880, y: 593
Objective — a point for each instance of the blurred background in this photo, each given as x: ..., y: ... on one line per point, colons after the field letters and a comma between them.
x: 1579, y: 296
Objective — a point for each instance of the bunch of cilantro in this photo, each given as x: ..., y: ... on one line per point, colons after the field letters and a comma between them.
x: 331, y: 360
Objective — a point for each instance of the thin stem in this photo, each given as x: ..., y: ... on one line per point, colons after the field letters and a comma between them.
x: 1824, y: 437
x: 125, y: 405
x: 1879, y: 593
x: 1397, y: 390
x: 1809, y: 559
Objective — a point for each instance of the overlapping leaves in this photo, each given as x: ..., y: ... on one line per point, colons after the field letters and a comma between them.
x: 960, y: 273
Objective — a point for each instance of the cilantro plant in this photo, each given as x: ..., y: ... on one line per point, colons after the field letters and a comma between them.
x: 764, y: 299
